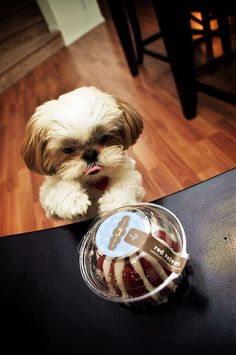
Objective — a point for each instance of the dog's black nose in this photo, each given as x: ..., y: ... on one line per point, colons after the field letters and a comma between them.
x: 90, y: 156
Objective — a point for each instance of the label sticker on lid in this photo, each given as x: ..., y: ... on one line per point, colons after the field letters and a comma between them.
x: 157, y: 249
x: 111, y: 233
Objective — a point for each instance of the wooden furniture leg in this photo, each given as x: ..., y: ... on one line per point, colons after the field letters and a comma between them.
x: 174, y: 21
x: 117, y: 10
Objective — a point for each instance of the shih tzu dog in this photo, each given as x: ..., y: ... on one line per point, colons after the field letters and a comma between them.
x: 79, y: 142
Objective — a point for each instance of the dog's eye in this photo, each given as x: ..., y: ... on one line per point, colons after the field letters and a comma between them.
x: 103, y: 139
x: 68, y: 150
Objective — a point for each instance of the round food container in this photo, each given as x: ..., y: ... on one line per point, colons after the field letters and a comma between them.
x: 134, y: 254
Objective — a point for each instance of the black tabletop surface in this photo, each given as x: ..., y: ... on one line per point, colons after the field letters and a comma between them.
x: 46, y: 308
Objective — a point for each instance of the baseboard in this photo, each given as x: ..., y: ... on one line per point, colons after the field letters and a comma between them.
x: 82, y: 31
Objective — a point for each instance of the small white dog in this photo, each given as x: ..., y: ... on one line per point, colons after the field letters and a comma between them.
x: 79, y: 142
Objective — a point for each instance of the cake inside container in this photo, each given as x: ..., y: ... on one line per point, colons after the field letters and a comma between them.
x: 134, y: 254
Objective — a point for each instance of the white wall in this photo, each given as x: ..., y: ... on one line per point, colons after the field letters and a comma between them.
x: 73, y: 18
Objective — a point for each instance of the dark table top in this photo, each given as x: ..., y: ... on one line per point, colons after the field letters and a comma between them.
x: 46, y: 308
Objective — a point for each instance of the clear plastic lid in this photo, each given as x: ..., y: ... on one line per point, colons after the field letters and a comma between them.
x: 133, y: 253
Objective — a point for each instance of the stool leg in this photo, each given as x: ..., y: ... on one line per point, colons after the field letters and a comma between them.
x: 118, y: 14
x: 224, y: 31
x: 134, y: 22
x: 176, y: 31
x: 206, y: 23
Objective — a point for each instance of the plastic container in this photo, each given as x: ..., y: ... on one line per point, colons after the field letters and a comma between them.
x: 134, y: 255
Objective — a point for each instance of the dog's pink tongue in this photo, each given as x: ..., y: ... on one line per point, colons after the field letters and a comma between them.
x: 93, y: 169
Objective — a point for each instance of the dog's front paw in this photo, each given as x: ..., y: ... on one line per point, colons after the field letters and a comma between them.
x: 66, y: 206
x: 78, y: 205
x: 111, y: 201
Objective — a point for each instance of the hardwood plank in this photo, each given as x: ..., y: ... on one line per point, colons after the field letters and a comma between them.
x: 164, y: 181
x: 221, y: 141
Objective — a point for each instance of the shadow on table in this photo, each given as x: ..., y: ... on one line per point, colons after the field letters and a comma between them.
x: 186, y: 295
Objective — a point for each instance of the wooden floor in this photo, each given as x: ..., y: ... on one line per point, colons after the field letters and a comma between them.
x: 172, y: 153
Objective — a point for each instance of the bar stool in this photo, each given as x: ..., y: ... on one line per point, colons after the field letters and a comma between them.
x: 175, y: 29
x: 205, y: 34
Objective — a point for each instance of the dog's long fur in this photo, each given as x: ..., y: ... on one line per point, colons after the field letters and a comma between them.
x: 76, y: 141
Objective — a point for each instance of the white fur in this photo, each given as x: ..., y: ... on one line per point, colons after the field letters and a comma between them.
x: 69, y: 193
x: 70, y: 200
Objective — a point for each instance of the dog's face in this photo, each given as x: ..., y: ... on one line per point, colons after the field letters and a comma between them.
x: 80, y: 134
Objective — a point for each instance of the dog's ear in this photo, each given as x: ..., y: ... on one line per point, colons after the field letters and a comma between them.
x: 34, y: 144
x: 132, y: 123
